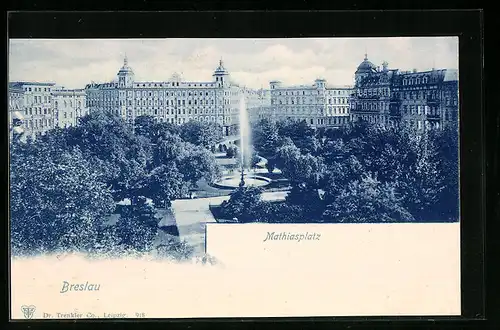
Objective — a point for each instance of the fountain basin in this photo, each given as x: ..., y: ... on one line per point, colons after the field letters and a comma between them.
x: 234, y: 181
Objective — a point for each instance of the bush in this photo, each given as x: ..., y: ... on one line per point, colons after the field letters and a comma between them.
x: 137, y: 226
x: 243, y: 204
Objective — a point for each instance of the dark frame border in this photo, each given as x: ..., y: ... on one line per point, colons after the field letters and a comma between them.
x: 467, y: 24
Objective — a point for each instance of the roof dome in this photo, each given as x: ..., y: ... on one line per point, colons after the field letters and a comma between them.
x: 366, y: 65
x: 220, y: 69
x: 125, y: 69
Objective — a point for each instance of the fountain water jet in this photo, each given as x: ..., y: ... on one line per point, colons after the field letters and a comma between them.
x: 245, y: 152
x: 243, y: 179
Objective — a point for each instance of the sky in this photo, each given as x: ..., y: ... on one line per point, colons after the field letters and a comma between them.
x: 73, y: 63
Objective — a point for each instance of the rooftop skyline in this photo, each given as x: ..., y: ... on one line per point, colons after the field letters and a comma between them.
x: 251, y: 62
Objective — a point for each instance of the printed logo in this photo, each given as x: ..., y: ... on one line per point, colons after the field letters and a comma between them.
x: 28, y: 311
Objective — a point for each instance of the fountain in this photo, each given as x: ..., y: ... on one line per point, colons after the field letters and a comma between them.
x: 244, y: 178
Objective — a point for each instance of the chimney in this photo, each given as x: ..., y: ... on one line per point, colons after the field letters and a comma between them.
x: 414, y: 70
x: 384, y: 65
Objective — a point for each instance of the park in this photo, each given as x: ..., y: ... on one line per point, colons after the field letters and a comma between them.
x: 107, y: 188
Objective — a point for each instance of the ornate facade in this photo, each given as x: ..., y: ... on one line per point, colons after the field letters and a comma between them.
x: 318, y: 104
x: 69, y: 105
x: 422, y: 100
x: 175, y: 100
x: 16, y: 95
x: 35, y: 102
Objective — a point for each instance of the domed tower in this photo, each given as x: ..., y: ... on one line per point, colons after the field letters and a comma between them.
x: 221, y: 75
x: 125, y: 75
x: 364, y: 69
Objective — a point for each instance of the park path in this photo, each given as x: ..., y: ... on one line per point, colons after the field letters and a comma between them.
x: 192, y: 215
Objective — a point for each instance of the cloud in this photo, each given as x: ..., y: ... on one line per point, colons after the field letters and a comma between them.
x: 251, y: 62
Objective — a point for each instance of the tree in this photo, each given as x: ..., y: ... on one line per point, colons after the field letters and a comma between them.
x: 243, y: 204
x: 137, y: 226
x: 169, y: 148
x: 446, y: 142
x: 339, y: 174
x: 422, y: 182
x: 198, y: 163
x: 111, y: 144
x: 162, y: 130
x: 201, y: 133
x: 163, y: 184
x: 56, y: 200
x: 144, y: 126
x: 302, y: 135
x: 279, y: 212
x: 367, y: 200
x: 265, y: 138
x: 300, y: 168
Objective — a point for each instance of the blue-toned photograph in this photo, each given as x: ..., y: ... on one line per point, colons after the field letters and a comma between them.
x: 121, y: 147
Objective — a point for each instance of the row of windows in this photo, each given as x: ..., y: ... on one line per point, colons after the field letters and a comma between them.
x: 196, y: 118
x: 371, y: 118
x: 171, y: 102
x: 335, y: 111
x: 65, y: 115
x: 173, y: 112
x: 373, y: 92
x: 340, y: 92
x: 175, y: 83
x: 38, y: 111
x: 338, y: 101
x: 155, y: 103
x: 294, y: 93
x: 417, y: 81
x: 420, y: 95
x: 330, y: 121
x: 154, y: 94
x: 39, y: 123
x: 65, y: 103
x: 297, y: 110
x: 37, y: 89
x: 418, y: 110
x: 38, y: 99
x: 371, y: 106
x: 294, y: 101
x: 310, y: 92
x: 415, y: 124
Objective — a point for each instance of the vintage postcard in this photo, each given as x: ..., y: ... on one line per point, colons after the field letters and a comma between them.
x: 199, y: 178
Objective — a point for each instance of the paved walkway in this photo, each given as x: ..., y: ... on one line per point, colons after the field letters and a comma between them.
x: 192, y: 215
